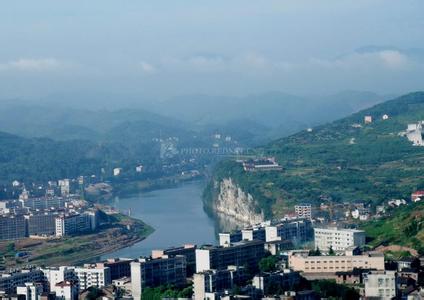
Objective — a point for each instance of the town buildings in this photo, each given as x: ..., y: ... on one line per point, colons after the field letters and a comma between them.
x: 380, y: 284
x: 10, y: 281
x: 188, y: 251
x: 31, y: 291
x: 338, y: 239
x: 303, y: 262
x: 296, y: 230
x: 303, y: 211
x: 243, y: 253
x: 12, y: 227
x: 210, y: 284
x: 73, y: 223
x: 149, y: 272
x: 92, y: 276
x: 119, y: 267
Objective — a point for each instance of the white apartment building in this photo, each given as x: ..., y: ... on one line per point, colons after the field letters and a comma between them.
x: 31, y: 291
x: 73, y: 224
x: 338, y: 239
x: 59, y: 274
x: 303, y: 211
x: 91, y: 276
x: 380, y: 284
x: 66, y: 290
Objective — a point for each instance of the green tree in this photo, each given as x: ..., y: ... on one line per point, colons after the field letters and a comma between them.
x: 268, y: 264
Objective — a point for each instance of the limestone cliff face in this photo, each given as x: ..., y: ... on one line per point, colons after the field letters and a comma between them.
x: 233, y: 202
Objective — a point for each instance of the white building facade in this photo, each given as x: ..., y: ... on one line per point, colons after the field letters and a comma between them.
x: 338, y: 239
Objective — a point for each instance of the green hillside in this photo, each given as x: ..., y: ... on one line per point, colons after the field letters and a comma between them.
x: 404, y: 227
x: 338, y: 162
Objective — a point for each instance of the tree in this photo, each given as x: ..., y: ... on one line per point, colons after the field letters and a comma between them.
x: 268, y: 264
x: 315, y: 252
x: 331, y: 251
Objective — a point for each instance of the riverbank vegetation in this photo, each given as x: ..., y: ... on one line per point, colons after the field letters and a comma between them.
x: 119, y: 232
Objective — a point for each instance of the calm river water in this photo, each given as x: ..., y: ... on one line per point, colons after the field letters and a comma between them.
x: 176, y: 214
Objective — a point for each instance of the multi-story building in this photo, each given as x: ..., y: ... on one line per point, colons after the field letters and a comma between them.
x: 295, y: 230
x: 299, y: 260
x: 10, y: 281
x: 92, y: 276
x: 213, y: 282
x: 64, y: 185
x: 285, y: 280
x: 31, y: 291
x: 149, y: 272
x: 303, y: 211
x: 254, y: 233
x: 70, y: 224
x: 42, y: 223
x: 66, y: 290
x: 226, y: 238
x: 119, y: 267
x: 380, y: 284
x: 12, y: 227
x: 244, y: 253
x: 43, y: 203
x: 189, y: 251
x: 55, y: 275
x: 338, y: 239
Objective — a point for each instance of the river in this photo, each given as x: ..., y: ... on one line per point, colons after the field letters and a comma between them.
x: 176, y: 214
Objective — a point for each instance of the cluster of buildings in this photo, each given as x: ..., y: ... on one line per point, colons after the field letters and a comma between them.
x: 261, y: 164
x: 46, y: 216
x: 303, y: 251
x: 231, y: 270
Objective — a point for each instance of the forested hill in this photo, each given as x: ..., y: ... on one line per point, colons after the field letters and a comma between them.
x: 45, y: 159
x: 340, y: 161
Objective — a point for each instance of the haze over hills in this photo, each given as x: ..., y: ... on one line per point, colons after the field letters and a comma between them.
x: 336, y: 162
x: 252, y: 119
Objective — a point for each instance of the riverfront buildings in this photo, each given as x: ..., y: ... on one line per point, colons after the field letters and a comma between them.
x: 303, y: 262
x: 244, y: 253
x: 338, y: 239
x: 155, y: 272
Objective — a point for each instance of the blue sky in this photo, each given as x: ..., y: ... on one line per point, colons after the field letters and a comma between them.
x: 160, y: 49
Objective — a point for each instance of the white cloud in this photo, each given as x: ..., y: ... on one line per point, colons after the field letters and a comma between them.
x: 147, y: 67
x: 394, y: 59
x: 34, y: 65
x: 386, y: 59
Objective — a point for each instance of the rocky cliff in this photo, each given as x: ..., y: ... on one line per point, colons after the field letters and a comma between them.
x: 233, y: 202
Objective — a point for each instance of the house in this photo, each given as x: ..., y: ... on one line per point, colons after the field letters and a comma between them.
x: 417, y: 196
x: 368, y: 119
x: 385, y: 117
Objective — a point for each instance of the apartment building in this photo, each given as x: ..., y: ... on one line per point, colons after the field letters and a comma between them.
x: 12, y: 227
x: 244, y: 253
x: 31, y: 291
x: 92, y: 276
x: 208, y: 284
x: 55, y: 275
x: 299, y: 260
x: 338, y: 239
x: 10, y: 281
x: 71, y: 224
x: 119, y: 267
x: 149, y: 272
x: 296, y: 230
x: 43, y: 223
x: 303, y: 211
x: 380, y: 284
x: 189, y: 251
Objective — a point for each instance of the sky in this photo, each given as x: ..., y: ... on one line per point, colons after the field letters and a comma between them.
x: 162, y: 49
